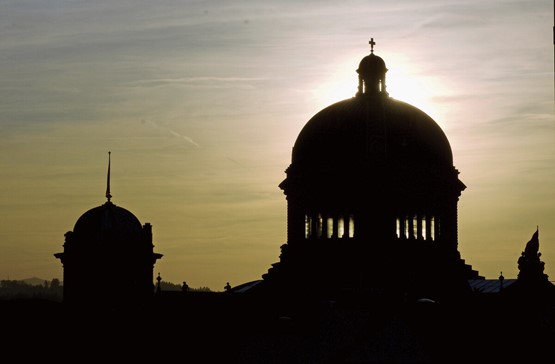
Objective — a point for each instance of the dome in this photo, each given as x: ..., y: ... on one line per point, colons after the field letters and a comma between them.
x: 371, y: 64
x: 363, y: 130
x: 367, y: 130
x: 107, y: 221
x: 372, y: 129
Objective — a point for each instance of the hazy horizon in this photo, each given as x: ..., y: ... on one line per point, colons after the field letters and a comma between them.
x: 200, y: 103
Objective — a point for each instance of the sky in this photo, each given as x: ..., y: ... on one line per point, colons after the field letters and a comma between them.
x: 200, y: 103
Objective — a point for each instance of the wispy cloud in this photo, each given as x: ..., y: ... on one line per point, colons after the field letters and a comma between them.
x: 171, y: 132
x: 202, y: 82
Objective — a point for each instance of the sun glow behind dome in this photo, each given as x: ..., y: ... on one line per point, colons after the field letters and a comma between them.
x: 405, y: 85
x: 403, y: 81
x: 339, y: 85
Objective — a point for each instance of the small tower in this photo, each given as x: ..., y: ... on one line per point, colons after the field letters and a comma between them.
x: 529, y: 264
x: 371, y: 74
x: 108, y: 244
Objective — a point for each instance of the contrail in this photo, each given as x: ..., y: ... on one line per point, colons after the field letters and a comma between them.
x: 172, y: 132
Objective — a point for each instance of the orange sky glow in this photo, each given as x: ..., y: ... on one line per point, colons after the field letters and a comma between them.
x: 200, y: 103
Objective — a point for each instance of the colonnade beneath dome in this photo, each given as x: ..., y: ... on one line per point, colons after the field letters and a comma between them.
x: 406, y: 227
x: 328, y: 226
x: 417, y: 226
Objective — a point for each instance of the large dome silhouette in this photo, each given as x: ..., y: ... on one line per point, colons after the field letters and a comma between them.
x: 363, y: 130
x: 372, y: 198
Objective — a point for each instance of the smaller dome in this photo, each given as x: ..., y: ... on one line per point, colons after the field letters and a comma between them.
x: 371, y: 65
x: 371, y: 74
x: 107, y: 221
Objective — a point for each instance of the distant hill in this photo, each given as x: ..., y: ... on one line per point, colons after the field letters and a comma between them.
x: 34, y: 287
x: 166, y: 286
x: 34, y: 281
x: 169, y: 286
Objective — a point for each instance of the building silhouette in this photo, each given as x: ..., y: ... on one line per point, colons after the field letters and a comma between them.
x: 371, y: 271
x: 372, y: 199
x: 108, y: 258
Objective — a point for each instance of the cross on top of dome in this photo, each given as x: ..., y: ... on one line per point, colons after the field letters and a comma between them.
x: 372, y: 44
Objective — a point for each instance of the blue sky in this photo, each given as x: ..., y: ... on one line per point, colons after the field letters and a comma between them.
x: 200, y: 103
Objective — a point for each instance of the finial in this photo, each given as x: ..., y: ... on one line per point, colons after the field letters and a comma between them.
x: 158, y: 284
x: 372, y: 44
x: 108, y: 195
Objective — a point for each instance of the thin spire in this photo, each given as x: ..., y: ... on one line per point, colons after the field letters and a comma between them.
x: 372, y: 44
x: 108, y: 195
